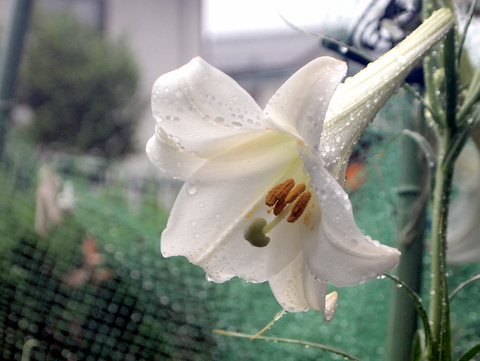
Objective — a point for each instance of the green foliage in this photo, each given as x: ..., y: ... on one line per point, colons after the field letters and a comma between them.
x: 81, y: 88
x: 153, y: 308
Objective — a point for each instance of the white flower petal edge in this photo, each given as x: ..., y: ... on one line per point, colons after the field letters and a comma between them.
x: 463, y: 243
x: 340, y: 254
x: 211, y: 134
x: 300, y: 105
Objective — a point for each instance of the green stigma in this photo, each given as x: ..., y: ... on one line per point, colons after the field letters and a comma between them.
x: 254, y: 233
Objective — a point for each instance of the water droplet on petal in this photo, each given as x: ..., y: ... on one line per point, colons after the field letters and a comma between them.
x: 191, y: 188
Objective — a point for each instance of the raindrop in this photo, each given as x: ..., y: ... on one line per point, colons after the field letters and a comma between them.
x: 333, y: 78
x: 191, y: 188
x: 219, y: 120
x: 175, y: 139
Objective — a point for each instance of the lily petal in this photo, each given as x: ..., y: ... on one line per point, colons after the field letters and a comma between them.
x: 203, y: 110
x: 296, y: 289
x: 463, y: 243
x: 169, y: 158
x: 207, y: 221
x: 339, y: 253
x: 300, y: 105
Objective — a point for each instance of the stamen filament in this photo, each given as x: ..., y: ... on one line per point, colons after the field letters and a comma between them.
x: 276, y: 220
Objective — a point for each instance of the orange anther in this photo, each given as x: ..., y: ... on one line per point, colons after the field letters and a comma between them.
x: 295, y: 192
x: 299, y: 207
x: 279, y: 192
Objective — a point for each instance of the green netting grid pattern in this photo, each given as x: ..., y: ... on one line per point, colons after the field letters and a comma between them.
x: 136, y: 305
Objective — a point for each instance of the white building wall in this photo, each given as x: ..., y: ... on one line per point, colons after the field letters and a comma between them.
x: 163, y: 35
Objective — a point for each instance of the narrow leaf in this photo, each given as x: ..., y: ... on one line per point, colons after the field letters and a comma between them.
x: 463, y: 284
x: 270, y: 324
x: 471, y: 13
x: 417, y: 302
x: 292, y: 341
x: 417, y: 350
x: 470, y: 354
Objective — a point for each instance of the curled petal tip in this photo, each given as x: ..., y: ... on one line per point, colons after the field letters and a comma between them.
x: 331, y: 303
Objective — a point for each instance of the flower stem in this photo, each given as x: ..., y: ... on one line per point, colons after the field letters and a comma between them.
x: 440, y: 349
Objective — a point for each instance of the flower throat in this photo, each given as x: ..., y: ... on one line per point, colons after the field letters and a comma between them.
x: 286, y: 197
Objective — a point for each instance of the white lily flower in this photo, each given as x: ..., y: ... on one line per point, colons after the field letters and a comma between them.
x: 463, y: 242
x: 241, y: 166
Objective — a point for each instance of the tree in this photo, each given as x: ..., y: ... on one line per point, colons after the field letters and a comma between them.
x: 80, y: 87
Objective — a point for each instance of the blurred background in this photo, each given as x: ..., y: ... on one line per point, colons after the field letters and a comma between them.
x: 82, y: 208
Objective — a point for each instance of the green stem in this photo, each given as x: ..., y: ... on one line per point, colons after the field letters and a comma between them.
x: 451, y: 86
x: 440, y: 349
x: 429, y: 68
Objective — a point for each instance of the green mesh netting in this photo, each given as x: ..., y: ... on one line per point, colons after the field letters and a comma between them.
x: 97, y: 287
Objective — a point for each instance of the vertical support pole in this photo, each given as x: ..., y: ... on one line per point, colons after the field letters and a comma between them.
x: 412, y: 197
x: 10, y: 56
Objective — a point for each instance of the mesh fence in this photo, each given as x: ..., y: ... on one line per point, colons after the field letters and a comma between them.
x: 95, y: 287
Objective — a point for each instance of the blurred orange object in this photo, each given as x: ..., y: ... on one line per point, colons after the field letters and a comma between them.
x: 356, y: 175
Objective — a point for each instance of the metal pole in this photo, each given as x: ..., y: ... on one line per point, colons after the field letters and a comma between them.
x: 412, y: 196
x: 10, y: 57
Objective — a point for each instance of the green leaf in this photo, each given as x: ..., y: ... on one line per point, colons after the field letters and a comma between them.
x: 463, y: 284
x: 420, y: 140
x: 470, y: 354
x: 471, y: 13
x: 417, y: 350
x: 292, y: 341
x: 417, y: 302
